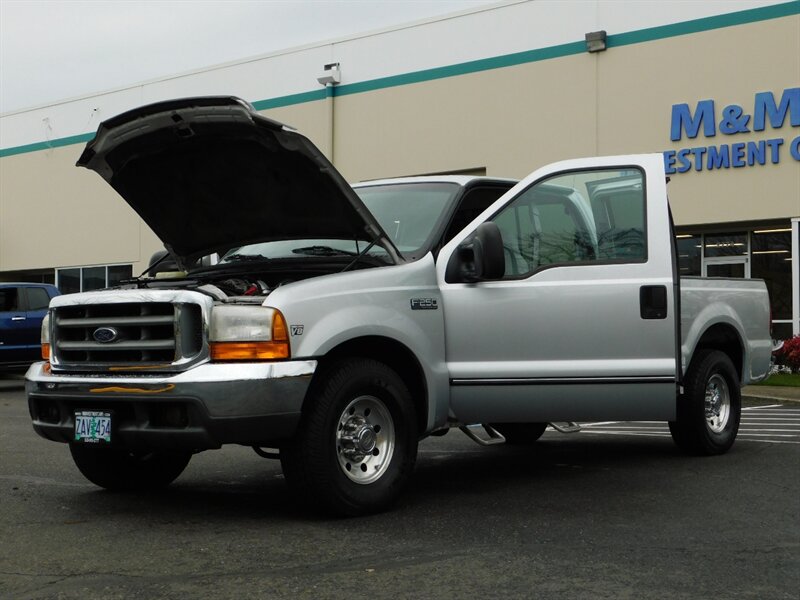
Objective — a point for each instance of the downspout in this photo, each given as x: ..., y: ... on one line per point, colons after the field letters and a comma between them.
x: 329, y: 95
x: 331, y: 76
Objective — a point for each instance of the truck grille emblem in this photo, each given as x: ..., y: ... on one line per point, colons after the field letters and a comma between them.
x: 105, y: 335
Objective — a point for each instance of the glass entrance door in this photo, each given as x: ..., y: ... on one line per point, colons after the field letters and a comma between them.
x: 737, y: 268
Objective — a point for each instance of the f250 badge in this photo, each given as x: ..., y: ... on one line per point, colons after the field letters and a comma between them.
x: 424, y: 304
x: 296, y: 329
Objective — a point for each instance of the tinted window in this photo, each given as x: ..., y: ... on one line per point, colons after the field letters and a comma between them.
x: 772, y: 253
x: 689, y: 247
x: 69, y: 280
x: 38, y: 298
x: 119, y: 273
x: 726, y: 244
x: 94, y: 278
x: 474, y: 202
x: 9, y: 299
x: 584, y: 216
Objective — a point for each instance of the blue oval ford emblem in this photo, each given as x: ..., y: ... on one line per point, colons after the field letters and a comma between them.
x: 105, y: 335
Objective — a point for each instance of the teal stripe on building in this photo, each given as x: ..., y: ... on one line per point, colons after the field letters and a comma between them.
x: 661, y: 32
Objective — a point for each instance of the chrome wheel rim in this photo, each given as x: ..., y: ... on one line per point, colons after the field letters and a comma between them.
x: 365, y: 439
x: 717, y: 404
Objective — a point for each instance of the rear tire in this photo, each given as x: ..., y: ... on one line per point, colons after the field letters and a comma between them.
x: 123, y: 470
x: 520, y: 434
x: 710, y: 408
x: 356, y: 445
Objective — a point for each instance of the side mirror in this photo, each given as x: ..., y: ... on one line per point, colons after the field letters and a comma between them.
x: 208, y: 260
x: 481, y: 258
x: 487, y: 249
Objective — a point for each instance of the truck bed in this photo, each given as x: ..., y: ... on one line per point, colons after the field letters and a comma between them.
x: 740, y: 303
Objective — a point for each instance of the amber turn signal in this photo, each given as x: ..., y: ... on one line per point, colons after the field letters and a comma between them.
x: 249, y: 350
x: 46, y: 351
x: 280, y: 332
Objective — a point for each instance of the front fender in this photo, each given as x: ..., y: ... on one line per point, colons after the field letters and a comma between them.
x: 325, y: 312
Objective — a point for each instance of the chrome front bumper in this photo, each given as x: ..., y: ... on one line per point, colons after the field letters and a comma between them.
x: 203, y: 407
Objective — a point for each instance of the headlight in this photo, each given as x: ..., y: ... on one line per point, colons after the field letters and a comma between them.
x: 248, y: 333
x: 46, y: 337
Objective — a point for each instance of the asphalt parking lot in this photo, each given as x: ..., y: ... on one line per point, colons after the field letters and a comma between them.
x: 611, y: 512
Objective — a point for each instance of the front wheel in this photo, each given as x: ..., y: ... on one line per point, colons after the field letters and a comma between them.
x: 709, y: 410
x: 123, y: 470
x: 356, y: 444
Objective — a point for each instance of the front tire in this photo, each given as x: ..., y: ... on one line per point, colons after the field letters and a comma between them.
x: 356, y: 444
x: 122, y: 470
x: 710, y: 408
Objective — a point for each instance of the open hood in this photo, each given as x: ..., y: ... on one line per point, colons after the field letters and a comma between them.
x: 209, y: 174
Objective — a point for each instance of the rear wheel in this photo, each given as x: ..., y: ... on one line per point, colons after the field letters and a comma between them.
x: 520, y: 433
x: 709, y: 410
x: 356, y: 444
x: 123, y: 470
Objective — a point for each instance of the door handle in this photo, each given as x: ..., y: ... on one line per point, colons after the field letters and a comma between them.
x: 17, y: 318
x: 653, y: 301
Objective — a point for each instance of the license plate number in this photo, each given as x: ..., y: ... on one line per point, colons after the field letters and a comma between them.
x: 92, y: 426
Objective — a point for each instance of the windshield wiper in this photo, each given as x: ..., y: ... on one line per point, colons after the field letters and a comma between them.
x: 234, y: 262
x: 242, y: 258
x: 323, y: 251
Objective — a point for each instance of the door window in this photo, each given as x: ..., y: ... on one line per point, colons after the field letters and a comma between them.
x: 575, y: 218
x: 38, y: 298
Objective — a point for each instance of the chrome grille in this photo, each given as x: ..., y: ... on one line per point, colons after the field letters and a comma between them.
x: 141, y: 333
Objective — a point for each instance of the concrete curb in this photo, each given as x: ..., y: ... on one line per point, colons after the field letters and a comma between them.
x: 776, y: 399
x: 761, y: 393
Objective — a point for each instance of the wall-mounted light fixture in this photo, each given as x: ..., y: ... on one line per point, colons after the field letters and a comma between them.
x: 596, y: 41
x: 331, y: 75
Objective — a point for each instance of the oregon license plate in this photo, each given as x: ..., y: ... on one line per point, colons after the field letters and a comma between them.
x: 92, y: 426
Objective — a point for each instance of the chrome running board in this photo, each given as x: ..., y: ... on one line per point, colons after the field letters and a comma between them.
x: 495, y: 437
x: 566, y: 427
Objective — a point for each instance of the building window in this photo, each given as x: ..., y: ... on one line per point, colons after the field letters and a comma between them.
x: 725, y: 244
x: 68, y: 280
x: 772, y: 262
x: 84, y: 279
x: 690, y: 254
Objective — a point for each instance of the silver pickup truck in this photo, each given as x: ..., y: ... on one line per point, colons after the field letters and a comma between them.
x: 334, y: 327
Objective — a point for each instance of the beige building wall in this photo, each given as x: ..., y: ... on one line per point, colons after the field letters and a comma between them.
x: 513, y: 120
x: 639, y: 84
x: 508, y: 120
x: 53, y: 214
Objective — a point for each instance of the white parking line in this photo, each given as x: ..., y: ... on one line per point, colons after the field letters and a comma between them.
x: 616, y: 432
x: 794, y: 431
x: 770, y: 441
x: 772, y: 424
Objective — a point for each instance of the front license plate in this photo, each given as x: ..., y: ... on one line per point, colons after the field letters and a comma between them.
x: 92, y: 426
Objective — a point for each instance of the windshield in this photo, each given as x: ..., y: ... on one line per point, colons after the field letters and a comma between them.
x: 299, y: 249
x: 408, y: 212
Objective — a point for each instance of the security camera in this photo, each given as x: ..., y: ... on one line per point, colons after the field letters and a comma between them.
x: 331, y: 74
